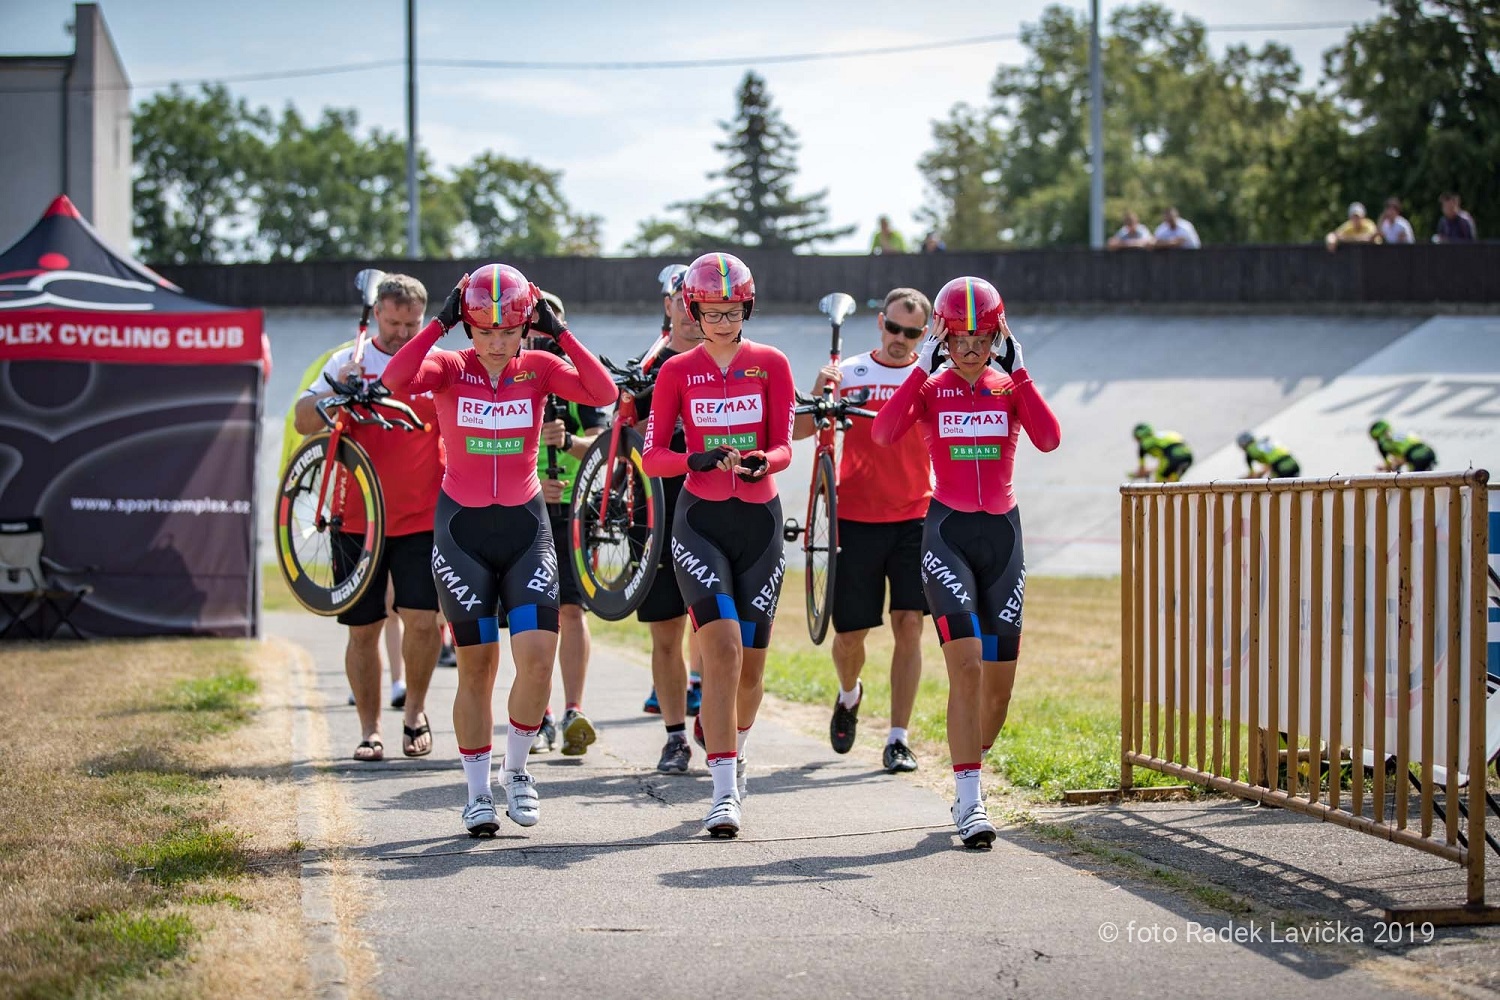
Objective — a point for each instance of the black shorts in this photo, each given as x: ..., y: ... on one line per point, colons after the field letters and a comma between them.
x: 1421, y: 458
x: 974, y: 574
x: 663, y: 601
x: 494, y: 566
x: 728, y: 562
x: 406, y: 560
x: 567, y: 574
x: 1174, y: 463
x: 1285, y: 468
x: 870, y: 555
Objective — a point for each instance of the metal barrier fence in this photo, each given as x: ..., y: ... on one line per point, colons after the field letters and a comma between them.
x: 1318, y: 645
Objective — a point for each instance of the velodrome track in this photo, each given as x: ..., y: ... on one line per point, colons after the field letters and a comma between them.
x: 1313, y: 382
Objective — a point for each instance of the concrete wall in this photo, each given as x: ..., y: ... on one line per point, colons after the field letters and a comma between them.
x: 88, y: 93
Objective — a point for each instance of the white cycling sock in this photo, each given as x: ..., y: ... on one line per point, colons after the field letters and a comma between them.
x: 518, y: 745
x: 851, y: 698
x: 476, y: 770
x: 721, y: 769
x: 896, y: 735
x: 966, y: 779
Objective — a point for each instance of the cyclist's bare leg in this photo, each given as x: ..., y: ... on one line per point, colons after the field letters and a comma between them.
x: 752, y: 686
x: 994, y: 699
x: 906, y: 665
x: 849, y: 656
x: 963, y: 658
x: 394, y: 642
x: 534, y: 652
x: 473, y: 714
x: 573, y: 646
x: 363, y: 669
x: 669, y: 670
x: 420, y: 642
x: 722, y: 653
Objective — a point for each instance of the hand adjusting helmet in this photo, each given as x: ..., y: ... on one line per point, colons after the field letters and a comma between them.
x: 498, y: 297
x: 968, y: 307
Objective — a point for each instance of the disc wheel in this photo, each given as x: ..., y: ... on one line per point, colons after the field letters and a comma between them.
x: 327, y: 542
x: 617, y: 527
x: 820, y: 545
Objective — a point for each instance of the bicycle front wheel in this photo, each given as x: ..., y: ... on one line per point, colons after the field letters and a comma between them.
x: 329, y: 540
x: 820, y: 545
x: 617, y: 527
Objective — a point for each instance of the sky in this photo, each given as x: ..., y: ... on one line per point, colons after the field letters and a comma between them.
x: 630, y: 142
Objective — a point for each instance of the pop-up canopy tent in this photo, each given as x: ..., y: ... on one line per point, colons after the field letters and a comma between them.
x: 129, y: 418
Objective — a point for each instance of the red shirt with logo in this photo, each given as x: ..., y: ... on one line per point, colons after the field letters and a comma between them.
x: 408, y: 463
x: 747, y: 406
x: 880, y: 484
x: 972, y: 431
x: 491, y: 427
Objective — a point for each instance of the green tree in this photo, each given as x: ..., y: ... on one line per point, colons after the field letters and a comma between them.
x: 517, y: 208
x: 756, y: 207
x: 197, y: 158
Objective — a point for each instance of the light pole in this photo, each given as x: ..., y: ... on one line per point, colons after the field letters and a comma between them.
x: 1096, y: 134
x: 413, y: 192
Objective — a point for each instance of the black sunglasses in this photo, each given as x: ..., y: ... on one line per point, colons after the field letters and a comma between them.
x: 909, y: 332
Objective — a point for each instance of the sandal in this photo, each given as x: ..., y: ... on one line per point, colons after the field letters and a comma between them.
x: 410, y: 736
x: 370, y: 751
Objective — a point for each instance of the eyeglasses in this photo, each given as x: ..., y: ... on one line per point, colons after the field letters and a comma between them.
x: 976, y: 340
x: 909, y: 332
x: 726, y: 316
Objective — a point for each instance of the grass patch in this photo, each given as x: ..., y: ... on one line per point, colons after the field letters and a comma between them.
x: 190, y: 854
x: 274, y: 595
x: 1063, y: 729
x: 217, y: 702
x: 233, y: 901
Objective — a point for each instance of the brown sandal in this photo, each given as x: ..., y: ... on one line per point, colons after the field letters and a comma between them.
x: 409, y: 738
x: 376, y: 752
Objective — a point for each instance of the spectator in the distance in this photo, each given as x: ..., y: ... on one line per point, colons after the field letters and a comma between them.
x: 1393, y: 225
x: 1358, y: 229
x: 1175, y: 231
x: 933, y: 243
x: 1131, y: 236
x: 886, y: 239
x: 1456, y: 225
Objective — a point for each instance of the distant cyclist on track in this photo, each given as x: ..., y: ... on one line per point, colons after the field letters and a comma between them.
x: 1265, y: 459
x: 735, y: 399
x: 973, y: 566
x: 1173, y: 456
x: 1398, y: 451
x: 493, y: 558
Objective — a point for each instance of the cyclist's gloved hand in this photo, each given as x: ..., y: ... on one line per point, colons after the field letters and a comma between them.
x: 703, y: 461
x: 928, y: 356
x: 451, y: 313
x: 1010, y: 357
x: 545, y: 322
x: 756, y: 464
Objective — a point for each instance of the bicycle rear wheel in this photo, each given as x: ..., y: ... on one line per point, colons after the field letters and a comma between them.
x: 617, y: 527
x: 326, y: 551
x: 820, y: 545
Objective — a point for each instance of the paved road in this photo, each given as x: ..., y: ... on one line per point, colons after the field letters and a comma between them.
x: 847, y: 881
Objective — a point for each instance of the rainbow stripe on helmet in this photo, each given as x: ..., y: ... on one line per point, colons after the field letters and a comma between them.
x: 495, y: 294
x: 973, y: 314
x: 724, y: 274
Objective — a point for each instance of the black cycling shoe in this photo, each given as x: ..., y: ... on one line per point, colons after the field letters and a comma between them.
x: 845, y: 722
x: 675, y: 756
x: 898, y: 758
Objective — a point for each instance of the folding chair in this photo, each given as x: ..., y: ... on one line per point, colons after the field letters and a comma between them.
x: 29, y: 587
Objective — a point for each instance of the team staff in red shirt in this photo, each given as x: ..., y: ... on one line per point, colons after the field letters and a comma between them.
x: 973, y: 566
x: 883, y: 495
x: 410, y: 467
x: 493, y: 556
x: 734, y: 398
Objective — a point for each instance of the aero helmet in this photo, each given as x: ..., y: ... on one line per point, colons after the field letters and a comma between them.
x: 1245, y: 440
x: 1142, y: 431
x: 716, y: 279
x: 1379, y: 429
x: 968, y: 306
x: 498, y: 297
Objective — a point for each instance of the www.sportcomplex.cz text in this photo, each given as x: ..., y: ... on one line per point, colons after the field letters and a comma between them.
x: 156, y: 505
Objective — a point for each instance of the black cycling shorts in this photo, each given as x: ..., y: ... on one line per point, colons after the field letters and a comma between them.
x: 1175, y: 461
x: 1421, y: 457
x: 567, y: 575
x: 1285, y: 468
x: 974, y: 575
x: 870, y: 555
x: 663, y: 601
x: 728, y: 563
x: 405, y: 560
x: 494, y: 566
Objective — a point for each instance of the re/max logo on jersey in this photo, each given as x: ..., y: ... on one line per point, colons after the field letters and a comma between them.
x: 494, y: 446
x: 992, y: 423
x: 493, y: 416
x: 726, y: 412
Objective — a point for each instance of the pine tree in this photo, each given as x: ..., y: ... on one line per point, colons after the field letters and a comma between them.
x: 757, y: 208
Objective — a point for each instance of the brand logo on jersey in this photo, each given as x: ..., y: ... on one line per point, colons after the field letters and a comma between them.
x: 743, y: 442
x: 726, y: 412
x: 770, y: 591
x: 525, y: 376
x: 994, y: 392
x: 944, y: 577
x: 990, y: 423
x: 1016, y: 602
x: 874, y: 393
x: 448, y: 578
x: 692, y: 565
x: 861, y: 370
x: 756, y: 372
x: 699, y: 379
x: 975, y: 452
x: 494, y: 446
x: 470, y: 377
x: 494, y: 416
x: 948, y: 393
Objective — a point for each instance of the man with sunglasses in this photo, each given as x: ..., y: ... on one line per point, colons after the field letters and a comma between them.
x: 882, y: 500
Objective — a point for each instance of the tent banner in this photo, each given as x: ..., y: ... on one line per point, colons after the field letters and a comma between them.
x: 149, y: 338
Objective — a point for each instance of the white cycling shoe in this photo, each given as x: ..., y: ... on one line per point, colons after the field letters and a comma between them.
x: 723, y: 819
x: 479, y: 817
x: 521, y: 801
x: 974, y: 826
x: 741, y: 778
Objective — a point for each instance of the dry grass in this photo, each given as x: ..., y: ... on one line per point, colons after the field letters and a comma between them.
x: 146, y: 820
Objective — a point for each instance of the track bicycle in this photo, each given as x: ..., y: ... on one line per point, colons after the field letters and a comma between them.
x: 819, y: 534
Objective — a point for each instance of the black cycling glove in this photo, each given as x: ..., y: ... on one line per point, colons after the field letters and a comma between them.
x: 452, y: 310
x: 703, y: 461
x: 1010, y: 359
x: 545, y: 321
x: 755, y: 463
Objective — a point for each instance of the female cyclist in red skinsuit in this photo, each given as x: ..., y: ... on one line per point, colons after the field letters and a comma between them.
x: 735, y: 400
x: 493, y: 556
x: 973, y: 570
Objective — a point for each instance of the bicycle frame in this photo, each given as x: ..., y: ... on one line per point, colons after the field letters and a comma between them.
x: 347, y: 399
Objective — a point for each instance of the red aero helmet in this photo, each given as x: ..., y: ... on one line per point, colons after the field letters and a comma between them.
x: 968, y: 305
x: 717, y: 278
x: 498, y: 297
